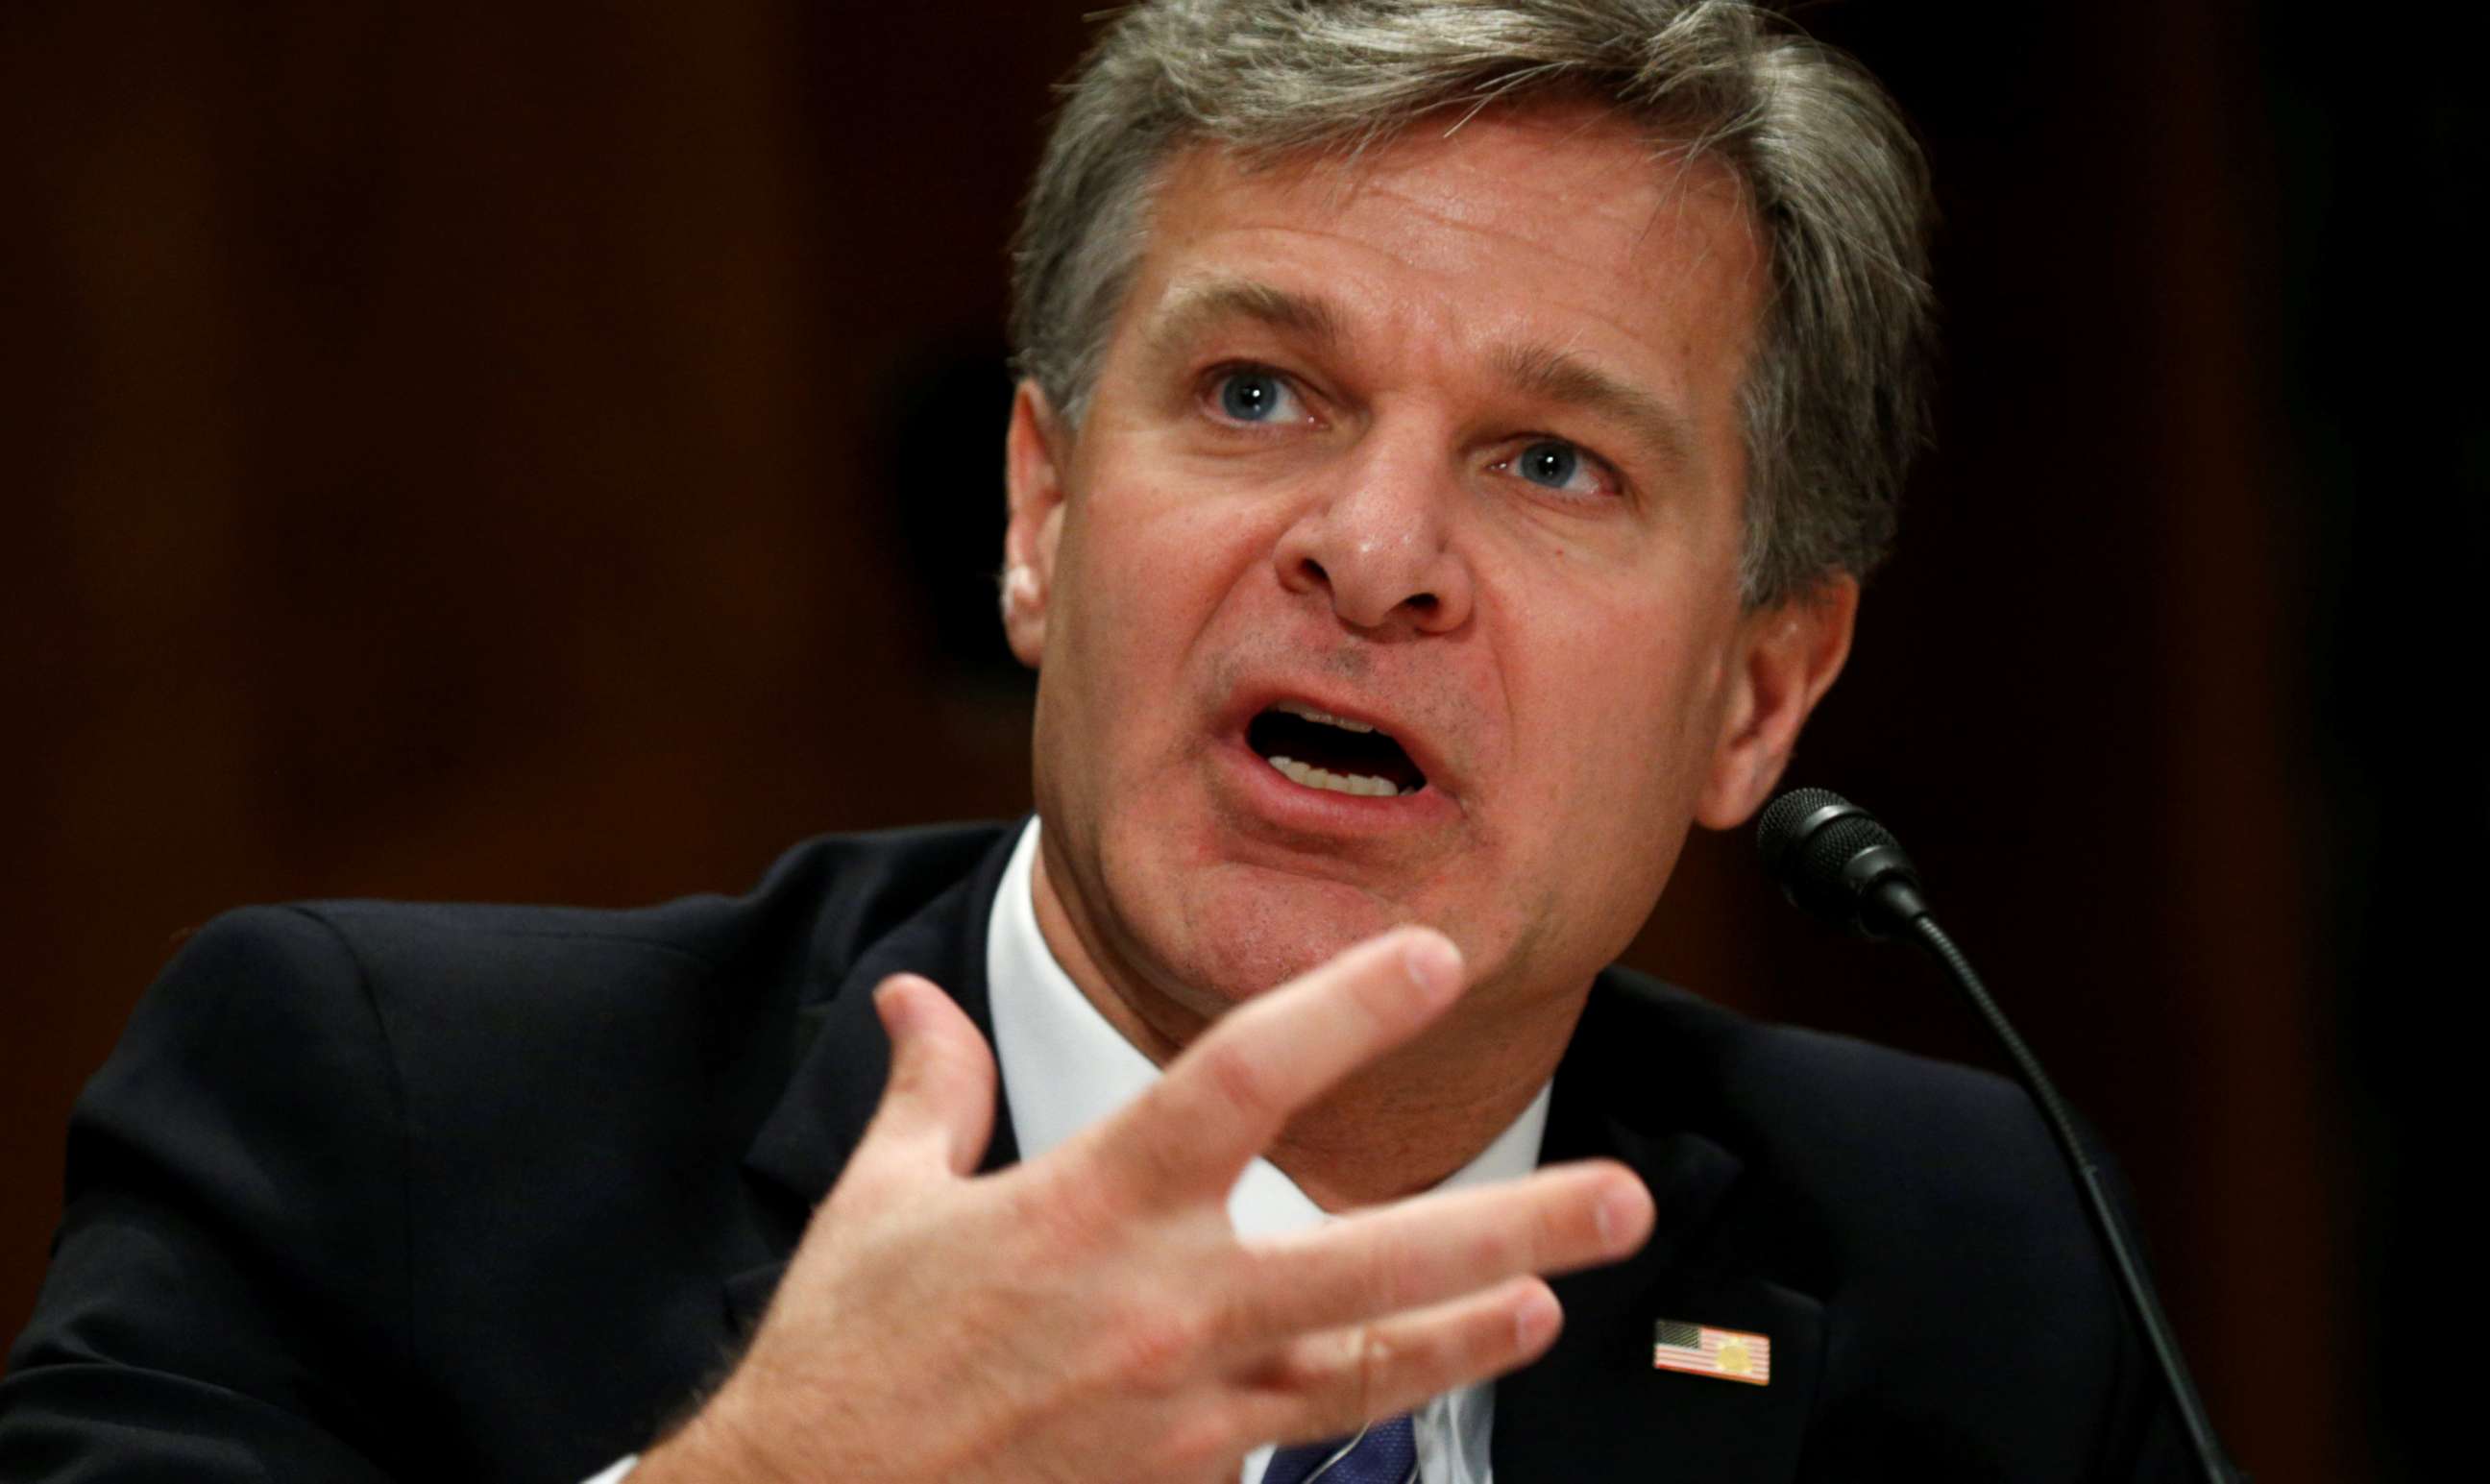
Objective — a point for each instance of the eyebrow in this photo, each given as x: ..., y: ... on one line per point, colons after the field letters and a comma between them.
x: 1540, y: 371
x: 1195, y: 308
x: 1560, y: 376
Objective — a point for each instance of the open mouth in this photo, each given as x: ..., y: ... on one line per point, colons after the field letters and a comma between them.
x: 1320, y: 750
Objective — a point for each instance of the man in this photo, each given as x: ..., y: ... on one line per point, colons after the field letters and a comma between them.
x: 1451, y: 439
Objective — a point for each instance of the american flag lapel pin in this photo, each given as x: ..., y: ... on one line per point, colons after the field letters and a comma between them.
x: 1700, y: 1350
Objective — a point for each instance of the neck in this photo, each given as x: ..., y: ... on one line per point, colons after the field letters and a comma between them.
x: 1398, y: 1125
x: 1395, y: 1129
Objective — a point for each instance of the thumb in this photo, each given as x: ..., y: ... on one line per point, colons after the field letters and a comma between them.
x: 941, y: 1088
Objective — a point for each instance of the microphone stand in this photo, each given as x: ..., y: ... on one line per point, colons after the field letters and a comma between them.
x: 2134, y: 1285
x: 1840, y: 864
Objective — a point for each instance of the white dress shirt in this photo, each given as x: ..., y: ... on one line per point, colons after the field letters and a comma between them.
x: 1064, y: 1067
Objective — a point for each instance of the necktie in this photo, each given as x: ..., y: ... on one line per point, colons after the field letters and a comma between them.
x: 1386, y: 1452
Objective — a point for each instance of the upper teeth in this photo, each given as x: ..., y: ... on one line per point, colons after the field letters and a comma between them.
x: 1300, y: 709
x: 1366, y: 784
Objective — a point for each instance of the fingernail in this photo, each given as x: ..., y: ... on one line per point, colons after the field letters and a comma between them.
x: 1620, y: 1215
x: 1535, y: 1318
x: 1434, y: 964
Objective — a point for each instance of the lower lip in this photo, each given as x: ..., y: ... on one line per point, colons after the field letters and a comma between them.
x: 1284, y: 802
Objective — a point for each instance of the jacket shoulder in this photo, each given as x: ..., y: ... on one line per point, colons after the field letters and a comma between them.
x: 1888, y: 1154
x: 1768, y: 1077
x: 356, y: 1167
x: 480, y: 1011
x: 447, y: 997
x: 816, y: 909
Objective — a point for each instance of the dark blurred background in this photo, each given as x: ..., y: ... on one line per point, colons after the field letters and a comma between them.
x: 552, y: 453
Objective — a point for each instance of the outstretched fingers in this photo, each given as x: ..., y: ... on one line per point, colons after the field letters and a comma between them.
x: 1225, y: 1099
x: 1439, y: 1247
x: 1326, y: 1385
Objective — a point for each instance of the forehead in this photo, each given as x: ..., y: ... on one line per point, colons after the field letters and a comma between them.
x: 1531, y: 221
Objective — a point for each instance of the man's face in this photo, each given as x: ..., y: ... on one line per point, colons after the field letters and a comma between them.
x: 1445, y: 443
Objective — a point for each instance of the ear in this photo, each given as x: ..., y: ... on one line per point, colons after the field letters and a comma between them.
x: 1787, y: 656
x: 1034, y: 451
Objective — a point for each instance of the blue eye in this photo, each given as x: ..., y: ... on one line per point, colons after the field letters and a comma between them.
x: 1250, y: 396
x: 1553, y: 464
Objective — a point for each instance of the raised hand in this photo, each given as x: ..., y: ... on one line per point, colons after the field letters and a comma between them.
x: 1090, y: 1316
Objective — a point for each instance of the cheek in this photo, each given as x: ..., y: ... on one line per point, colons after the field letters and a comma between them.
x: 1623, y: 719
x: 1140, y: 580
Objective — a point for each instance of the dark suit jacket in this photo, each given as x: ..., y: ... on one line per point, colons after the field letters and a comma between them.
x: 482, y: 1193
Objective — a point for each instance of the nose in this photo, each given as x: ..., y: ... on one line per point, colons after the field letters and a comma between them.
x: 1382, y: 547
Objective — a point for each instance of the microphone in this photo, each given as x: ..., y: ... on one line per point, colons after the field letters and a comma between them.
x: 1838, y: 865
x: 1836, y: 861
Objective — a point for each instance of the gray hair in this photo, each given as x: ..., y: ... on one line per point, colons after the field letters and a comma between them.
x: 1835, y: 401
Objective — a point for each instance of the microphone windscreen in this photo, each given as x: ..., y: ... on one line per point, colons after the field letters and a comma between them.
x: 1833, y: 860
x: 1787, y: 821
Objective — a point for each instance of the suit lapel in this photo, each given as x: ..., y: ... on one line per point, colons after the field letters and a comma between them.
x: 1594, y: 1408
x: 842, y: 1060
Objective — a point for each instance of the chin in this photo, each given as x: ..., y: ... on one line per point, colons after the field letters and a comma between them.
x: 1246, y: 931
